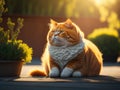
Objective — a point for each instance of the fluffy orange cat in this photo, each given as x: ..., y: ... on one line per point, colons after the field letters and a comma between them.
x: 68, y: 53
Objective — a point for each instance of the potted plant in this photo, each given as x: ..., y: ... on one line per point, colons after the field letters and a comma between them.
x: 13, y: 52
x: 107, y: 40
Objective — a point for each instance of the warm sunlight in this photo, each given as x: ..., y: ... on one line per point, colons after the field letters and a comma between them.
x: 104, y: 2
x: 98, y: 2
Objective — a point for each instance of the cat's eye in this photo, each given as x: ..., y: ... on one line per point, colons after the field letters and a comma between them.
x: 60, y: 31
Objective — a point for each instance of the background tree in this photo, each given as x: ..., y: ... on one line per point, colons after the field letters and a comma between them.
x: 61, y: 8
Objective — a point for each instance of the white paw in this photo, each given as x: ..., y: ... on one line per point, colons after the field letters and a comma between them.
x: 54, y: 72
x: 77, y: 74
x: 67, y: 72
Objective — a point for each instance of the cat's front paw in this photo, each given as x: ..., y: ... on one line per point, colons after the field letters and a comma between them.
x: 67, y: 72
x: 77, y: 74
x: 54, y: 72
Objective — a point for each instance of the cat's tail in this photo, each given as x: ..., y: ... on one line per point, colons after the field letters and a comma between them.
x: 37, y: 73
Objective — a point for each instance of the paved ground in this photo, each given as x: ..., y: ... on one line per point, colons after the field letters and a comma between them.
x: 109, y: 79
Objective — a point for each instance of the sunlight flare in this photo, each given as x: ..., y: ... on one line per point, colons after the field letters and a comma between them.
x: 104, y: 2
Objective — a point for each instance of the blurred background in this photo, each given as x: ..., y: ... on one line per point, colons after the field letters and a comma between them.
x: 102, y: 16
x: 64, y: 8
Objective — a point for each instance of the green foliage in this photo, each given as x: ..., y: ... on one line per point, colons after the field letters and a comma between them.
x: 113, y: 21
x: 109, y: 11
x: 107, y: 41
x: 3, y: 36
x: 16, y: 50
x: 13, y: 33
x: 10, y: 47
x: 2, y: 9
x: 106, y: 31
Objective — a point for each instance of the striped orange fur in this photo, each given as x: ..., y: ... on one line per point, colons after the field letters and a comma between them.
x: 68, y: 53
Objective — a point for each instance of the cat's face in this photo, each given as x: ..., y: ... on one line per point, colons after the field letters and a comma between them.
x: 63, y: 34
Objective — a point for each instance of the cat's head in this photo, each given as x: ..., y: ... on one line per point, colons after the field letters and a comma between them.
x: 64, y: 34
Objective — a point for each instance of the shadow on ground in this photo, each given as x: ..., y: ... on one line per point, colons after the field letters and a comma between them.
x: 43, y: 83
x: 108, y: 80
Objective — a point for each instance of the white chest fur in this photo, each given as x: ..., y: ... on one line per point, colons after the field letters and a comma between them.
x: 63, y: 55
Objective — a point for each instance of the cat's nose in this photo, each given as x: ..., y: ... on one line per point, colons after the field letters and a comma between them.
x: 55, y: 37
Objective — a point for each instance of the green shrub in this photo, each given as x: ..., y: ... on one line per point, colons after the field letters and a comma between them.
x: 16, y: 50
x: 11, y: 48
x: 107, y: 40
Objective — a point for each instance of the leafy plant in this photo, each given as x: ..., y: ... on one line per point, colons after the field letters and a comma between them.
x: 107, y: 40
x: 16, y: 50
x: 10, y: 47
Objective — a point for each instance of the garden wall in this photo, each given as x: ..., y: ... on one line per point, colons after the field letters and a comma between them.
x: 35, y: 29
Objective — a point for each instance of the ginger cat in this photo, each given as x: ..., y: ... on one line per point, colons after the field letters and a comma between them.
x: 68, y: 53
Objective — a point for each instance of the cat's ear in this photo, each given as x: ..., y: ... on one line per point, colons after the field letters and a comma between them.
x: 68, y: 24
x: 53, y: 22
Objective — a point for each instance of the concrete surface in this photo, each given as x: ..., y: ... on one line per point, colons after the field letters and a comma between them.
x: 108, y: 80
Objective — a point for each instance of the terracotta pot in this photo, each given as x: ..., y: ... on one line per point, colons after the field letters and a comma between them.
x: 10, y: 68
